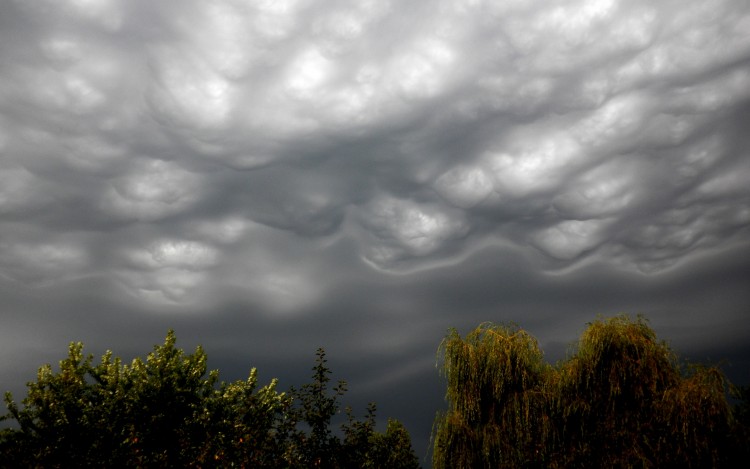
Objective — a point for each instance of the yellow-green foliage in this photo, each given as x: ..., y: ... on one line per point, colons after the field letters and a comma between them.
x: 620, y: 400
x: 610, y: 390
x: 494, y: 396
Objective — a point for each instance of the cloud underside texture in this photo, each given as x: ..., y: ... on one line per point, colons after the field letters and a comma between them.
x: 182, y: 147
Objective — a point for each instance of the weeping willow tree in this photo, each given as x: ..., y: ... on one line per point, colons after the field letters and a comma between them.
x: 621, y: 399
x: 495, y: 399
x: 624, y: 401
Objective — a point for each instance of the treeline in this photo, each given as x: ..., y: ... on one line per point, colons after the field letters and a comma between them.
x: 621, y: 399
x: 168, y: 411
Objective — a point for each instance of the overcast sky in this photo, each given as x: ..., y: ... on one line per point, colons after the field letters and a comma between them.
x: 272, y: 176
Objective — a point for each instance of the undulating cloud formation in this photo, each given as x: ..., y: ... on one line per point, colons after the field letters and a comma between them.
x: 272, y: 176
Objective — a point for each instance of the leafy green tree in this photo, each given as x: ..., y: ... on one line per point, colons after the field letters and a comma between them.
x: 314, y: 443
x: 169, y: 411
x: 317, y: 446
x: 164, y: 412
x: 392, y: 449
x: 54, y: 423
x: 363, y: 447
x: 621, y: 400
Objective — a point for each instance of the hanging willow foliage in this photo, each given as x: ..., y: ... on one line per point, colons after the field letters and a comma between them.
x: 610, y: 390
x: 620, y: 400
x: 690, y: 435
x: 495, y: 396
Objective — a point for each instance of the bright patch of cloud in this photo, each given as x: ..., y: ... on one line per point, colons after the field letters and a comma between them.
x: 606, y: 190
x: 307, y: 73
x: 188, y: 92
x: 465, y: 186
x: 153, y: 189
x: 533, y: 165
x: 569, y: 239
x: 404, y: 229
x: 421, y: 71
x: 187, y: 255
x: 167, y: 270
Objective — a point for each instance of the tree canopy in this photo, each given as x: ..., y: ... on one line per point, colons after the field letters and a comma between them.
x: 622, y: 399
x: 169, y: 411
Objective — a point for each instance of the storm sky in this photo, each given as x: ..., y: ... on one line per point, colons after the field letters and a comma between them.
x: 272, y: 176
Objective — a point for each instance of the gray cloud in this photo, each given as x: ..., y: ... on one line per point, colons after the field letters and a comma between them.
x: 273, y: 176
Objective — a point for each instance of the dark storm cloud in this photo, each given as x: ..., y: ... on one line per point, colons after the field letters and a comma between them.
x: 272, y: 176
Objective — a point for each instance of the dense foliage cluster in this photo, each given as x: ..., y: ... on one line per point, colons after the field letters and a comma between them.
x: 621, y: 400
x: 168, y: 411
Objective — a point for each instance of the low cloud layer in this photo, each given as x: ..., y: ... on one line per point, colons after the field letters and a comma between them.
x: 181, y: 158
